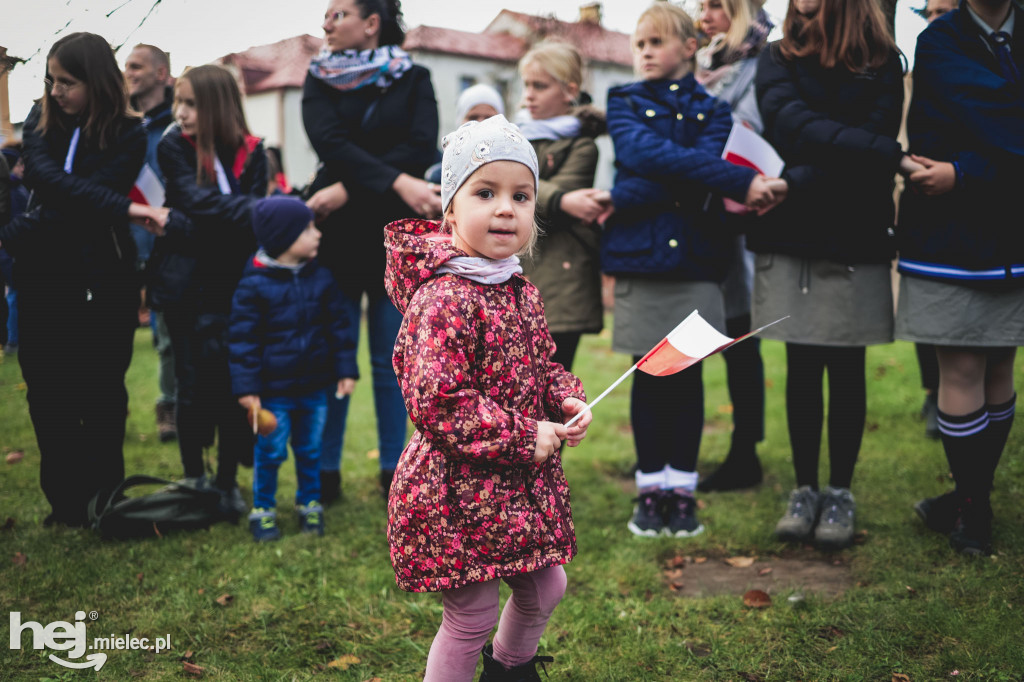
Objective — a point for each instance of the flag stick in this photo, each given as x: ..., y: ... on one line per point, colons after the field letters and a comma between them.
x: 606, y: 392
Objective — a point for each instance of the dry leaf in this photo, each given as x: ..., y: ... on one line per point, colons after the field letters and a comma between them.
x: 765, y: 571
x: 375, y: 679
x: 677, y: 561
x: 192, y: 670
x: 831, y: 649
x: 701, y: 504
x: 14, y: 456
x: 740, y: 561
x: 19, y: 559
x: 225, y: 599
x: 757, y: 599
x: 322, y: 645
x: 8, y: 524
x: 725, y: 409
x: 900, y: 677
x: 911, y: 590
x: 200, y: 590
x: 700, y: 560
x: 343, y: 662
x: 373, y: 454
x: 188, y: 655
x: 139, y: 577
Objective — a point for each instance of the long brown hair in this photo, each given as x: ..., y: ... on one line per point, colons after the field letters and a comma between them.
x: 220, y: 121
x: 89, y: 58
x: 853, y: 33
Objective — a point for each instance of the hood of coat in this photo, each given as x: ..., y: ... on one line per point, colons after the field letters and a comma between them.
x: 593, y: 121
x: 415, y: 249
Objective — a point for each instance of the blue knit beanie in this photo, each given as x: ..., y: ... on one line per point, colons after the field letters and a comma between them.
x: 278, y: 221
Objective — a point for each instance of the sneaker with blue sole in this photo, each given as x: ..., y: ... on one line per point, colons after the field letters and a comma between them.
x: 311, y: 518
x: 263, y: 524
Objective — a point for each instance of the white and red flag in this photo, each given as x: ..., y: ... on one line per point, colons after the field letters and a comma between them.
x: 147, y: 189
x: 746, y: 148
x: 691, y: 341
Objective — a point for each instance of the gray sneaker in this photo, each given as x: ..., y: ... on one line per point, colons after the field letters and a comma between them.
x: 801, y: 515
x: 835, y: 527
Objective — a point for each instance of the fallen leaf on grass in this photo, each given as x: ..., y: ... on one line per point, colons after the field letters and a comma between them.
x: 900, y: 677
x: 19, y: 559
x: 200, y: 590
x: 740, y: 561
x: 678, y: 561
x: 765, y: 571
x: 225, y: 599
x: 188, y: 656
x: 8, y: 524
x: 751, y: 677
x: 700, y: 560
x: 757, y: 599
x: 725, y: 409
x: 701, y: 504
x: 374, y: 679
x: 139, y: 577
x: 373, y: 454
x: 322, y: 645
x: 192, y: 670
x: 14, y: 456
x: 911, y: 590
x: 831, y: 649
x: 344, y: 662
x: 830, y: 632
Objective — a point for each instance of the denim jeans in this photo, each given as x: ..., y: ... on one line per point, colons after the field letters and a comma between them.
x: 383, y: 321
x: 301, y: 417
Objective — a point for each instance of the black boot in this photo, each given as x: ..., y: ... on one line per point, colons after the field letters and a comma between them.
x: 972, y: 532
x: 496, y: 672
x: 939, y: 513
x: 738, y: 471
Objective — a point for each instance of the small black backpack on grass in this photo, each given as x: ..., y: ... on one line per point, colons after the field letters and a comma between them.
x: 172, y: 508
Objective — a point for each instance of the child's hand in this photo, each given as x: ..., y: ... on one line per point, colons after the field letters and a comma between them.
x: 549, y: 438
x: 938, y: 177
x: 345, y: 387
x: 578, y: 431
x: 780, y: 190
x: 908, y: 166
x: 251, y: 403
x: 604, y: 197
x: 759, y: 195
x: 583, y: 204
x: 152, y: 218
x: 327, y: 200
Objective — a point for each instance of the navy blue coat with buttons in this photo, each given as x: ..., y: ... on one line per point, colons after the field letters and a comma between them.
x: 668, y: 221
x: 289, y: 333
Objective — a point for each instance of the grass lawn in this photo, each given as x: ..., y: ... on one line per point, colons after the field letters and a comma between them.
x: 307, y: 608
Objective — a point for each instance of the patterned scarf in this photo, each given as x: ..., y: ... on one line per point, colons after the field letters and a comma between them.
x: 716, y: 54
x: 482, y: 270
x: 352, y: 69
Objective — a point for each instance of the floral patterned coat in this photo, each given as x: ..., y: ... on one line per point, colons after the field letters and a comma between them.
x: 468, y: 504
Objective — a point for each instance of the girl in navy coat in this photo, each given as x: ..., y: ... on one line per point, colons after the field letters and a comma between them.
x: 962, y: 261
x: 215, y: 170
x: 75, y: 265
x: 830, y: 95
x: 669, y: 251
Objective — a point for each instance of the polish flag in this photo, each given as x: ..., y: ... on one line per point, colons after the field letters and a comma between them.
x: 689, y: 343
x: 746, y: 148
x: 147, y: 189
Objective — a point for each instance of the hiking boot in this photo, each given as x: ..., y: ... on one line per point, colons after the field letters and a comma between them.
x: 263, y: 524
x: 166, y: 422
x: 938, y: 513
x: 681, y: 515
x: 311, y: 518
x: 494, y: 671
x: 930, y: 415
x: 972, y: 531
x: 647, y: 520
x: 330, y: 486
x: 835, y: 522
x: 801, y: 515
x: 735, y: 473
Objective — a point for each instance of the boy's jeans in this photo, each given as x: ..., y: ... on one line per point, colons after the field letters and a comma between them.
x: 303, y: 418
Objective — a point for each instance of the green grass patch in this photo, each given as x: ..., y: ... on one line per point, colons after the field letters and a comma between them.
x: 302, y: 603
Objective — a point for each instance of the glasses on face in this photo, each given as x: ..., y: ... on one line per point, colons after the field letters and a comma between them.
x: 60, y: 87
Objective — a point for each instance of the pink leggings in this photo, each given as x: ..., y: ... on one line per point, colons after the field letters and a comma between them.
x: 470, y: 613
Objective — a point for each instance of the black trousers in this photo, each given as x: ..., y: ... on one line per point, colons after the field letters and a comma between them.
x: 75, y: 347
x: 207, y: 409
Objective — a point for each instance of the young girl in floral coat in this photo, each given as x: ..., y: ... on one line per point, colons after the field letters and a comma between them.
x: 479, y: 493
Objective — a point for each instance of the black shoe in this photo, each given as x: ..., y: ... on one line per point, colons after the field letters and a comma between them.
x: 330, y: 486
x: 972, y: 532
x: 735, y: 473
x: 938, y: 513
x: 386, y: 476
x: 494, y: 671
x: 648, y: 520
x: 680, y: 515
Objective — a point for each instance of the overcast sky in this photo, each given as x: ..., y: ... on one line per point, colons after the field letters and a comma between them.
x: 198, y: 31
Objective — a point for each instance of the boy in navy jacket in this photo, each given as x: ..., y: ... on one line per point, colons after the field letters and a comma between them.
x: 290, y: 341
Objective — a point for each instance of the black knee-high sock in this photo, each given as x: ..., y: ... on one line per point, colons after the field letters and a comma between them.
x: 847, y: 409
x: 805, y: 409
x: 965, y: 439
x: 1000, y: 419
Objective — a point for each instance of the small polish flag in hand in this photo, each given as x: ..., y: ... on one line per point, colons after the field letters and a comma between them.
x: 746, y: 148
x: 147, y: 189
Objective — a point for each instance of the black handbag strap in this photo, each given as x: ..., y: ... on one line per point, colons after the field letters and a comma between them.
x: 131, y: 482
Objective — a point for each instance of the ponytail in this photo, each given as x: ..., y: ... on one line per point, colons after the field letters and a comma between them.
x: 392, y: 30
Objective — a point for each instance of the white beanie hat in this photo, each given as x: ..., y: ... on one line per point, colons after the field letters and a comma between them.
x: 477, y: 94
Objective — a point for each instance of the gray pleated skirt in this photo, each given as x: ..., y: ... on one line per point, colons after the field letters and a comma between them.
x: 949, y: 314
x: 647, y: 310
x: 829, y: 304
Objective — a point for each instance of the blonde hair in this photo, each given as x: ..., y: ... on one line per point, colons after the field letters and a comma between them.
x: 741, y: 15
x: 561, y: 60
x: 669, y: 20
